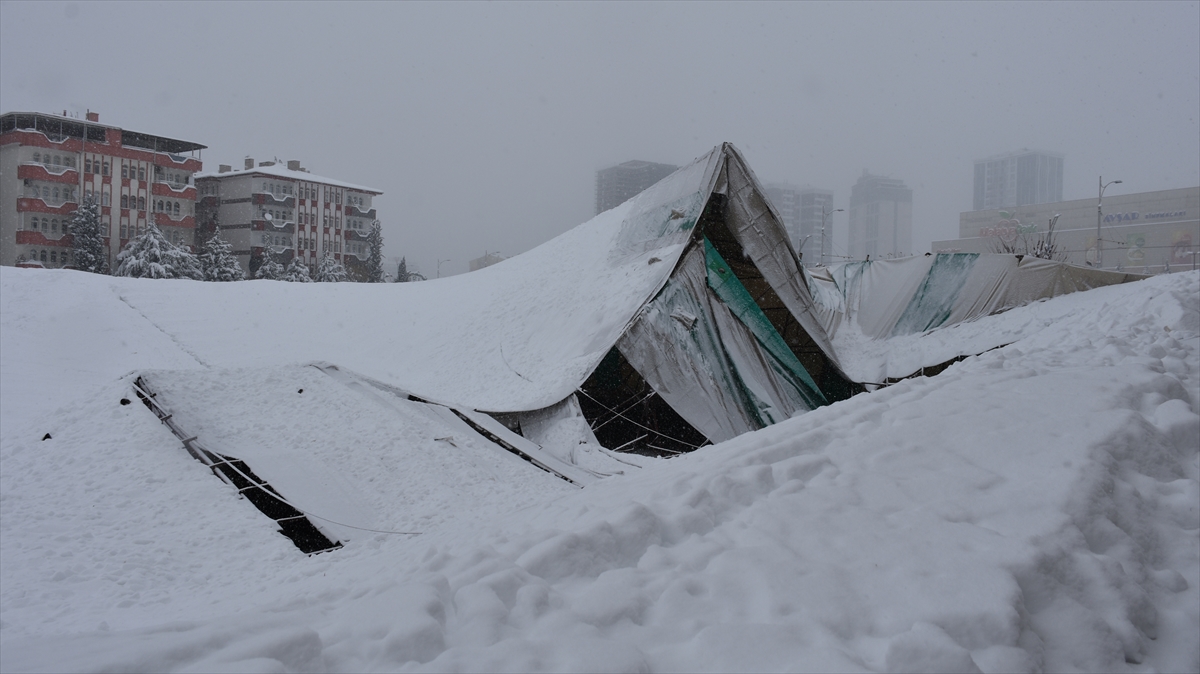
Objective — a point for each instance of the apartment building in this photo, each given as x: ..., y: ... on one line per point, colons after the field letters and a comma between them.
x: 48, y: 163
x: 287, y: 209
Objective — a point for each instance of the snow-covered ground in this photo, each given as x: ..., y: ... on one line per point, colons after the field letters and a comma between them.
x: 1033, y: 508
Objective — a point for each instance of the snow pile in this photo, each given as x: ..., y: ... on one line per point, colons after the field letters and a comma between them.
x: 1033, y: 508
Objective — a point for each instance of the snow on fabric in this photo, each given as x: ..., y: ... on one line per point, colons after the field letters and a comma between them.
x: 1033, y: 508
x: 866, y: 306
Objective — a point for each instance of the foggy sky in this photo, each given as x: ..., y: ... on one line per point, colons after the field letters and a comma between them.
x: 484, y: 124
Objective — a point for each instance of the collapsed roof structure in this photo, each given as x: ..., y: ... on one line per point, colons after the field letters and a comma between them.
x: 716, y: 334
x: 723, y: 331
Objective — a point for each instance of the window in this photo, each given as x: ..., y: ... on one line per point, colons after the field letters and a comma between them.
x: 57, y: 160
x: 142, y: 173
x: 124, y: 230
x: 54, y: 256
x: 124, y: 170
x: 37, y: 157
x: 54, y: 225
x: 158, y: 206
x: 87, y: 165
x: 33, y: 224
x: 42, y: 256
x: 105, y: 169
x: 141, y: 203
x: 176, y: 208
x: 66, y: 224
x: 124, y: 201
x: 107, y: 198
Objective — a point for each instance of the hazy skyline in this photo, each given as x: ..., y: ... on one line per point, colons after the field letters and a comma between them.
x: 484, y: 124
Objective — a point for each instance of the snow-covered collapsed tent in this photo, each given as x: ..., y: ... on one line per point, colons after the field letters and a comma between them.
x: 678, y: 318
x: 714, y: 332
x: 716, y: 329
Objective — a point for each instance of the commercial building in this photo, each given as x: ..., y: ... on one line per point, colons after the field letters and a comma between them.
x: 617, y: 184
x: 807, y: 214
x: 289, y: 210
x: 880, y: 218
x: 1148, y: 232
x: 1018, y: 179
x: 48, y: 163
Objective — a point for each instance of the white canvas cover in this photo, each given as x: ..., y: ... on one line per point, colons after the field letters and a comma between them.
x: 887, y: 298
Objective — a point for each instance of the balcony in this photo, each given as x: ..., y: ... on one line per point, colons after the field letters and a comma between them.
x: 164, y: 188
x: 39, y: 205
x: 176, y: 161
x: 356, y: 212
x: 32, y: 238
x: 260, y: 225
x: 162, y: 219
x: 271, y: 199
x: 53, y: 174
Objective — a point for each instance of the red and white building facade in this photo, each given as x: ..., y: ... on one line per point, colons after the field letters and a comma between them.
x: 289, y: 210
x: 48, y: 163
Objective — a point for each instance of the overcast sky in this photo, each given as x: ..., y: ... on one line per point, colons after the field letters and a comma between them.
x: 484, y: 124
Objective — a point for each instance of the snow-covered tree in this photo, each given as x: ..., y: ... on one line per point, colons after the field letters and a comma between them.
x: 330, y: 270
x: 403, y: 275
x: 375, y: 254
x: 217, y: 262
x: 90, y: 251
x: 296, y: 272
x: 150, y: 255
x: 270, y: 269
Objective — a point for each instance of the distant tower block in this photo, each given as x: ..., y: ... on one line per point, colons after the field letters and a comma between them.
x: 880, y: 218
x: 617, y: 184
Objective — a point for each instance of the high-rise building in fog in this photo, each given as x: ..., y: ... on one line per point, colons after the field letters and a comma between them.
x: 1018, y: 179
x: 801, y: 209
x: 617, y: 184
x: 880, y: 218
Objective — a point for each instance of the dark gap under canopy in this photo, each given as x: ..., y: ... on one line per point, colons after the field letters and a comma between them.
x: 625, y: 413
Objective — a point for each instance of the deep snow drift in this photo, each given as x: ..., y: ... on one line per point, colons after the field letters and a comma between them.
x: 1036, y: 507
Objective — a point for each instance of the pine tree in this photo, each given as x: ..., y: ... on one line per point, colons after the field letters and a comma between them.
x: 217, y: 262
x: 375, y: 254
x: 330, y: 270
x: 270, y: 269
x: 150, y: 255
x: 90, y: 251
x: 402, y: 272
x: 297, y: 272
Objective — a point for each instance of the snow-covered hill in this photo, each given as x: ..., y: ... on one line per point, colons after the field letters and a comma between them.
x: 1033, y: 508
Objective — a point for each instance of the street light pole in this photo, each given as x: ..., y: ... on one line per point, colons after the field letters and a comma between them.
x: 439, y: 267
x: 1099, y: 208
x: 824, y: 216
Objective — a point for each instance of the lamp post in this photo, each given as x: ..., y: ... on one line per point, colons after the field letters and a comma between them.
x: 801, y: 249
x: 439, y: 267
x: 1099, y: 208
x: 824, y: 216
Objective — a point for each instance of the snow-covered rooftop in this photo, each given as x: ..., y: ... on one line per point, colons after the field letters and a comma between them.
x: 278, y: 170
